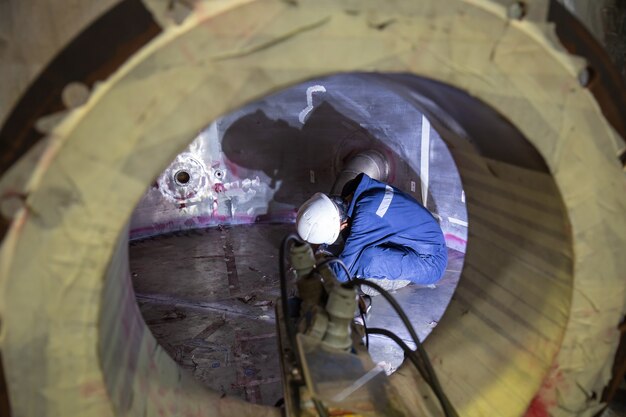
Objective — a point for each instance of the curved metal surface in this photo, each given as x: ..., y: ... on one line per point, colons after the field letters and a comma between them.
x: 372, y: 163
x: 271, y: 161
x: 92, y: 56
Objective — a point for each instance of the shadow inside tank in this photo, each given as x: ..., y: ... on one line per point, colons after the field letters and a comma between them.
x: 300, y: 162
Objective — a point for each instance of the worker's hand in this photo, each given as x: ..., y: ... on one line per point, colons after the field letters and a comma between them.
x: 321, y: 252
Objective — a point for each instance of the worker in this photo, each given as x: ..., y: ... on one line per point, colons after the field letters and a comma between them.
x: 390, y: 238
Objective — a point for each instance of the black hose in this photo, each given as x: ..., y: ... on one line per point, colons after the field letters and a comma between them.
x: 448, y: 409
x: 335, y: 261
x: 408, y: 352
x: 291, y: 333
x: 430, y: 375
x: 282, y: 266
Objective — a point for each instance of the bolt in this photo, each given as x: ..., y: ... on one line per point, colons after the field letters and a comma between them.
x: 584, y: 76
x: 622, y: 157
x: 75, y: 94
x: 517, y: 10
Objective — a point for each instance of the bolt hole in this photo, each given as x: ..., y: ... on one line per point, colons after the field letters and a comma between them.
x: 182, y: 177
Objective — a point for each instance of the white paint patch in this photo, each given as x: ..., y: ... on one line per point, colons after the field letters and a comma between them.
x: 195, y: 189
x: 412, y: 186
x: 201, y: 145
x: 309, y: 101
x: 425, y: 159
x: 384, y: 205
x: 457, y: 221
x: 462, y: 196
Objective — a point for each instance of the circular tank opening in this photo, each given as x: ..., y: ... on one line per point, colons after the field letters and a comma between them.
x: 206, y: 274
x: 505, y: 326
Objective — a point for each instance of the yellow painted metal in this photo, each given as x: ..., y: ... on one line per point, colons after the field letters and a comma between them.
x: 531, y: 320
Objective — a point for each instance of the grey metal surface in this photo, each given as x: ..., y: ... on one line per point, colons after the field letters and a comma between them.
x: 259, y: 163
x: 207, y: 296
x: 372, y: 163
x: 424, y: 305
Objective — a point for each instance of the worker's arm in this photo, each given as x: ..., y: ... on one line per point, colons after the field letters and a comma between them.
x: 363, y: 233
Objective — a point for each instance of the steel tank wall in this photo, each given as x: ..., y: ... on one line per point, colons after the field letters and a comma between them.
x: 259, y: 163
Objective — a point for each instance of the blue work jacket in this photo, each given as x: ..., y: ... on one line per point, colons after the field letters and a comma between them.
x: 382, y: 216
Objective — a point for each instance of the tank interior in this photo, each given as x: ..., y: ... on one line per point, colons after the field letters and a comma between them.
x: 205, y: 237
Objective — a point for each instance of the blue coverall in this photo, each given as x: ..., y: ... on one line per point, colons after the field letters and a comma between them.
x: 391, y: 236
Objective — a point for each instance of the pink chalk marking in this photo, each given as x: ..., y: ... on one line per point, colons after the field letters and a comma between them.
x: 18, y: 221
x: 49, y: 154
x: 546, y: 397
x: 286, y: 216
x: 232, y: 168
x: 92, y: 389
x: 537, y: 408
x: 455, y: 242
x: 455, y: 238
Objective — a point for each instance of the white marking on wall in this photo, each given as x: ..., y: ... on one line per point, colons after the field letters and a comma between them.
x: 425, y: 158
x: 412, y: 186
x: 309, y: 101
x: 384, y: 205
x: 457, y: 221
x: 462, y: 196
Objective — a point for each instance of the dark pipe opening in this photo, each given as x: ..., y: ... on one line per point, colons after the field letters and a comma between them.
x: 182, y: 177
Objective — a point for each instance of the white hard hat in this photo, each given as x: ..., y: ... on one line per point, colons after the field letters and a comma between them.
x: 319, y: 220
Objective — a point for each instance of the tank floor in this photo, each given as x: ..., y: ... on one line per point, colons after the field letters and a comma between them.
x: 208, y: 297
